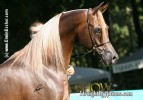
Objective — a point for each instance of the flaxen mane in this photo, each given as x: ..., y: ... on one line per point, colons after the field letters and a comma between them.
x: 43, y: 50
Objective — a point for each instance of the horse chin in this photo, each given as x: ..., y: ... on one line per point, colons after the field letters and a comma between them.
x: 107, y: 63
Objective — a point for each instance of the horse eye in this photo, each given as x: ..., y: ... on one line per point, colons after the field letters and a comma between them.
x: 97, y: 31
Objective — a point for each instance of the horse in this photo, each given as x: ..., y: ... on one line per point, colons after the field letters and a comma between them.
x: 39, y: 70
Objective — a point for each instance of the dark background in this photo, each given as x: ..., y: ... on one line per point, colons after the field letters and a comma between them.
x: 125, y: 19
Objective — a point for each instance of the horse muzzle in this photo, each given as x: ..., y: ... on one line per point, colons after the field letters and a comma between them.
x: 108, y: 57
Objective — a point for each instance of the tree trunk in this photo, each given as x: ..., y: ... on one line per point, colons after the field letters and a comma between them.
x: 141, y: 3
x: 137, y: 24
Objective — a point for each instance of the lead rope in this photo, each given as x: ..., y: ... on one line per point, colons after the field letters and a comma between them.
x: 82, y: 54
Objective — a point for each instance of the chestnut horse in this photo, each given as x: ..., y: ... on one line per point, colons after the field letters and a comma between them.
x: 39, y: 70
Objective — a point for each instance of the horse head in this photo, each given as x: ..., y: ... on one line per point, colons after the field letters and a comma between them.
x: 90, y: 28
x: 94, y: 35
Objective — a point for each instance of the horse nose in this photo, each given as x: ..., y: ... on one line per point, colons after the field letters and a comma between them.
x: 115, y: 58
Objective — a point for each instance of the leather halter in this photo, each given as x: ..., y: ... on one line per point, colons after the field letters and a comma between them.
x: 94, y: 46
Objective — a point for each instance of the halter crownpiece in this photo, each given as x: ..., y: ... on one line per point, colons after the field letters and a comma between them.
x: 94, y: 46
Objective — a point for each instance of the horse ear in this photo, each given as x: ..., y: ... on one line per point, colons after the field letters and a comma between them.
x: 100, y: 7
x: 103, y: 8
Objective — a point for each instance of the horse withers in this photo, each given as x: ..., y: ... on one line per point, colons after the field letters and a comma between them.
x: 39, y: 70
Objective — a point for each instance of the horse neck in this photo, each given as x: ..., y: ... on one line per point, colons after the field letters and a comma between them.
x: 69, y: 23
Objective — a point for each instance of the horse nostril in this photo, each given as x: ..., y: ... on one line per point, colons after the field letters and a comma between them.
x: 115, y: 58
